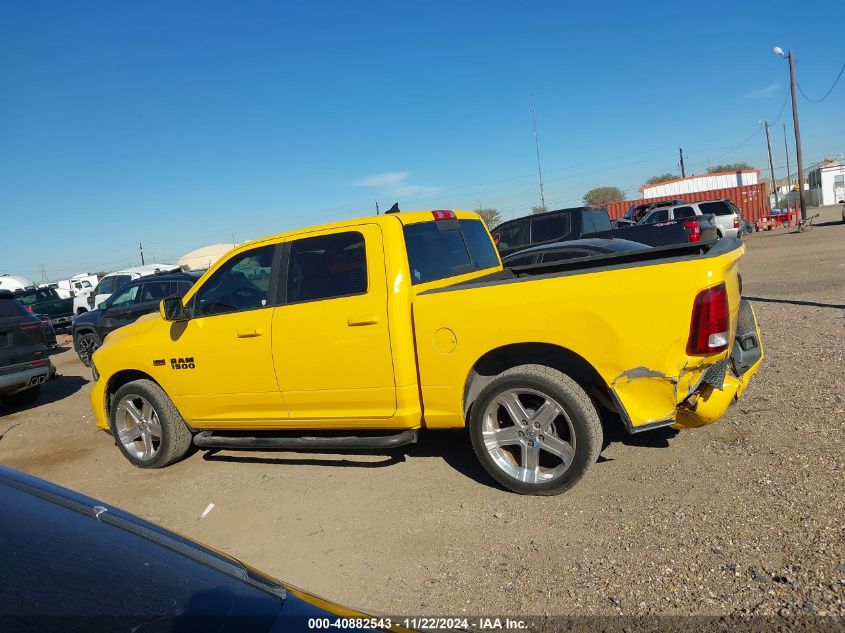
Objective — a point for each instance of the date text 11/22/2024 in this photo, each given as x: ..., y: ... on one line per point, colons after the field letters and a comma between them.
x: 420, y: 623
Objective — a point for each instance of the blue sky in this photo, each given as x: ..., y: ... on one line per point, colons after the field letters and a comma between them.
x: 179, y: 124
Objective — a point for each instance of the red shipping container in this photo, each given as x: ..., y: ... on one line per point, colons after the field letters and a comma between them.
x: 752, y: 200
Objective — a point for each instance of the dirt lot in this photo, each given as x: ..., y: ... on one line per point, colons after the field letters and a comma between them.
x: 745, y: 516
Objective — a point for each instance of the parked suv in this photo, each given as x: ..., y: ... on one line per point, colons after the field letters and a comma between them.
x: 115, y: 280
x: 24, y: 365
x: 728, y: 217
x: 133, y: 300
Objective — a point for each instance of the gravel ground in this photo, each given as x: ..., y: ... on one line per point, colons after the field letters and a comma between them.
x: 742, y: 517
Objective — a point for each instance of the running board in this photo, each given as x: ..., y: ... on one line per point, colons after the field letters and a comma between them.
x: 206, y: 439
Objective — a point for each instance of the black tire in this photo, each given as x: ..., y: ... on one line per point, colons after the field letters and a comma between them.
x: 86, y: 344
x: 22, y: 398
x: 580, y: 421
x: 176, y: 437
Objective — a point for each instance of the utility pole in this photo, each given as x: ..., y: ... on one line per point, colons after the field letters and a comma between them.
x: 683, y: 171
x: 43, y: 270
x: 797, y: 138
x: 377, y: 211
x: 791, y: 58
x: 537, y: 147
x: 771, y: 164
x: 788, y: 176
x: 141, y: 248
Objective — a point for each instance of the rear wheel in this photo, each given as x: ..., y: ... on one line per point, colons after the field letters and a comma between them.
x: 148, y: 429
x: 86, y: 345
x: 535, y: 430
x: 22, y: 398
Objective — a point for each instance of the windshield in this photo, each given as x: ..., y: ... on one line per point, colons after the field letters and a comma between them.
x: 444, y: 248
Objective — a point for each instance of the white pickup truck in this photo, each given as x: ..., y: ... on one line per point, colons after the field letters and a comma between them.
x: 114, y: 280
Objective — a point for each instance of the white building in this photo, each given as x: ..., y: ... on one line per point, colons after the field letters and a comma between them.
x: 204, y: 257
x: 827, y: 184
x: 704, y: 182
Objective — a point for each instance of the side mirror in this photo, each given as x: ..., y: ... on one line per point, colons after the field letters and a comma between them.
x: 171, y: 309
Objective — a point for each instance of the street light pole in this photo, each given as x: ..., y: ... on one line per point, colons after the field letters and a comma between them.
x: 791, y: 58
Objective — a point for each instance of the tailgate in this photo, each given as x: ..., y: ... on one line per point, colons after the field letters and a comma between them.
x: 21, y: 341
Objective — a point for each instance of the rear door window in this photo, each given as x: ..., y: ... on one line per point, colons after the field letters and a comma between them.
x: 154, y: 291
x: 512, y: 235
x: 659, y: 215
x: 326, y: 267
x: 445, y: 248
x: 684, y: 212
x: 716, y: 208
x: 600, y: 220
x: 550, y: 228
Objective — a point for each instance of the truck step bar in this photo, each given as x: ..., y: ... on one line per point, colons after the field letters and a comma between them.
x: 206, y: 439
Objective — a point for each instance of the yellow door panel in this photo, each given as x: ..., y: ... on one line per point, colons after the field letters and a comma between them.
x: 233, y: 382
x: 331, y: 340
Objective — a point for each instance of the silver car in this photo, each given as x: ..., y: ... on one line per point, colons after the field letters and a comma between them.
x: 728, y: 217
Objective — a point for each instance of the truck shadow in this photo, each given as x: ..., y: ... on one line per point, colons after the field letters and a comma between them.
x: 453, y: 446
x: 615, y: 433
x: 306, y: 459
x: 53, y: 390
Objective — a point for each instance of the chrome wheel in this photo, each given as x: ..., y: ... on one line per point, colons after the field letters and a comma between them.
x: 528, y: 435
x: 138, y: 427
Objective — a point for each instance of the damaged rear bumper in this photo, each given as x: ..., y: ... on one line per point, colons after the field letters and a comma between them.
x: 710, y: 401
x: 709, y: 392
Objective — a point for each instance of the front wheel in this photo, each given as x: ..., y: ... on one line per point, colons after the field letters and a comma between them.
x: 86, y: 345
x: 147, y: 427
x: 535, y: 430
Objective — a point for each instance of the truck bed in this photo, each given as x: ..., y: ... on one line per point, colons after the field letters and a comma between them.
x: 627, y: 315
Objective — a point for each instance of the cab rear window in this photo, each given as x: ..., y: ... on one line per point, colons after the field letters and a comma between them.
x: 716, y: 208
x: 445, y: 248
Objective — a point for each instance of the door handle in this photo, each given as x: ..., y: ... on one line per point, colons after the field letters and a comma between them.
x: 250, y: 333
x: 365, y: 319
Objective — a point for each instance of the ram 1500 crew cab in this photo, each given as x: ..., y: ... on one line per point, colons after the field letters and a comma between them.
x: 361, y: 333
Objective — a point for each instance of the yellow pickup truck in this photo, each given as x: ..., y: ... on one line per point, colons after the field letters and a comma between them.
x: 359, y: 334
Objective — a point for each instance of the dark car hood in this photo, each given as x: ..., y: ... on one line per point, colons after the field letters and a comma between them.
x: 66, y: 558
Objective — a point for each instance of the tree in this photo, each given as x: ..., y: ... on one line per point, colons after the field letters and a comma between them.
x: 538, y: 209
x: 656, y: 180
x: 603, y: 195
x: 717, y: 169
x: 491, y: 217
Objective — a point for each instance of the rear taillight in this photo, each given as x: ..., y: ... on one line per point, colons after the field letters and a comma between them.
x: 709, y: 330
x: 30, y: 310
x: 736, y: 223
x: 444, y: 215
x: 694, y: 231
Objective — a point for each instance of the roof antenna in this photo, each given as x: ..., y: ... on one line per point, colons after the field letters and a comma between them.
x: 394, y: 208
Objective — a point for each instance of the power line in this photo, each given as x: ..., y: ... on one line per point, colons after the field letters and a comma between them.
x: 838, y: 77
x: 785, y: 99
